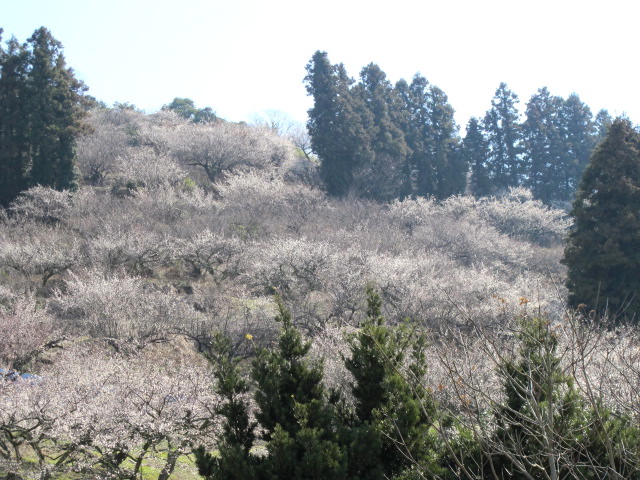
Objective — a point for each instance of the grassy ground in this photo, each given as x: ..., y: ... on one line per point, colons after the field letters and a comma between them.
x: 152, y: 466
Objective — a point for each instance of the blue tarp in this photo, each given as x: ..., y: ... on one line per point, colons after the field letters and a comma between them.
x: 13, y: 376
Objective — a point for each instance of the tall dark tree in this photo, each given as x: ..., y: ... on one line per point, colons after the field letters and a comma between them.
x: 474, y: 150
x: 602, y: 122
x: 544, y: 149
x: 298, y: 421
x: 504, y: 139
x: 393, y: 409
x: 579, y: 136
x: 55, y: 107
x: 41, y: 111
x: 443, y: 146
x: 416, y: 125
x: 603, y: 250
x: 233, y: 460
x: 383, y: 176
x: 14, y: 121
x: 338, y: 124
x: 432, y: 136
x: 293, y: 410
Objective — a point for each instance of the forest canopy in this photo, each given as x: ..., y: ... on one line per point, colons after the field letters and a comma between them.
x: 384, y: 141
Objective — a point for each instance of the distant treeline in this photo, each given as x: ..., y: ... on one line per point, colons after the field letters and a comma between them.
x: 385, y: 141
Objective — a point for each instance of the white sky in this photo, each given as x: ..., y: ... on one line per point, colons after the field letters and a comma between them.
x: 242, y: 57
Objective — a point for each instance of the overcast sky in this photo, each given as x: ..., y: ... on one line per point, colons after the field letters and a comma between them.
x: 242, y: 57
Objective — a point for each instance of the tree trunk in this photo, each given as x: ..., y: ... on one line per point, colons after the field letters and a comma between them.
x: 172, y: 458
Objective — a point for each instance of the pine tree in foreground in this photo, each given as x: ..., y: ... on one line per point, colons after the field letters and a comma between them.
x: 234, y: 461
x: 394, y: 412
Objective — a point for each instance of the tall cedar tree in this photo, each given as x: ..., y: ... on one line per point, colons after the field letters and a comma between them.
x: 602, y: 122
x: 474, y: 151
x: 559, y: 137
x: 14, y: 121
x: 435, y: 162
x: 603, y: 249
x: 579, y: 135
x: 443, y: 143
x: 504, y: 139
x: 338, y: 124
x: 544, y: 149
x: 416, y: 126
x: 41, y: 111
x: 383, y: 176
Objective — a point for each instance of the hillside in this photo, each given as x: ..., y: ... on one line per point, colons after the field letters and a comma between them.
x: 180, y: 230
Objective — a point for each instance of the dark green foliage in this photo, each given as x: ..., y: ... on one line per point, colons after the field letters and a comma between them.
x: 504, y: 140
x: 234, y: 460
x: 603, y: 249
x: 545, y: 429
x: 559, y: 137
x: 382, y: 142
x: 14, y: 123
x: 54, y: 105
x: 474, y: 151
x: 431, y: 135
x: 541, y: 428
x: 186, y: 108
x: 41, y: 108
x: 602, y: 122
x: 442, y: 145
x: 286, y: 380
x: 298, y: 421
x: 385, y: 142
x: 369, y: 362
x: 416, y: 126
x: 338, y: 124
x: 393, y: 412
x: 310, y: 432
x: 383, y: 177
x: 579, y: 135
x: 544, y: 152
x: 311, y: 454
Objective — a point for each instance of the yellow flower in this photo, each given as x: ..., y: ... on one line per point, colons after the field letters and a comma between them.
x: 524, y: 300
x: 248, y: 336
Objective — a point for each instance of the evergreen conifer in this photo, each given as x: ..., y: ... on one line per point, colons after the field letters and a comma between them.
x: 603, y: 249
x: 41, y: 111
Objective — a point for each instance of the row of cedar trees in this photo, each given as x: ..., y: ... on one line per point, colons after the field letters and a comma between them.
x: 41, y: 111
x: 383, y: 141
x: 541, y: 428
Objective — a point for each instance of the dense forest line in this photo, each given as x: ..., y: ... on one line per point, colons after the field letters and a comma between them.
x: 385, y: 141
x: 196, y: 297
